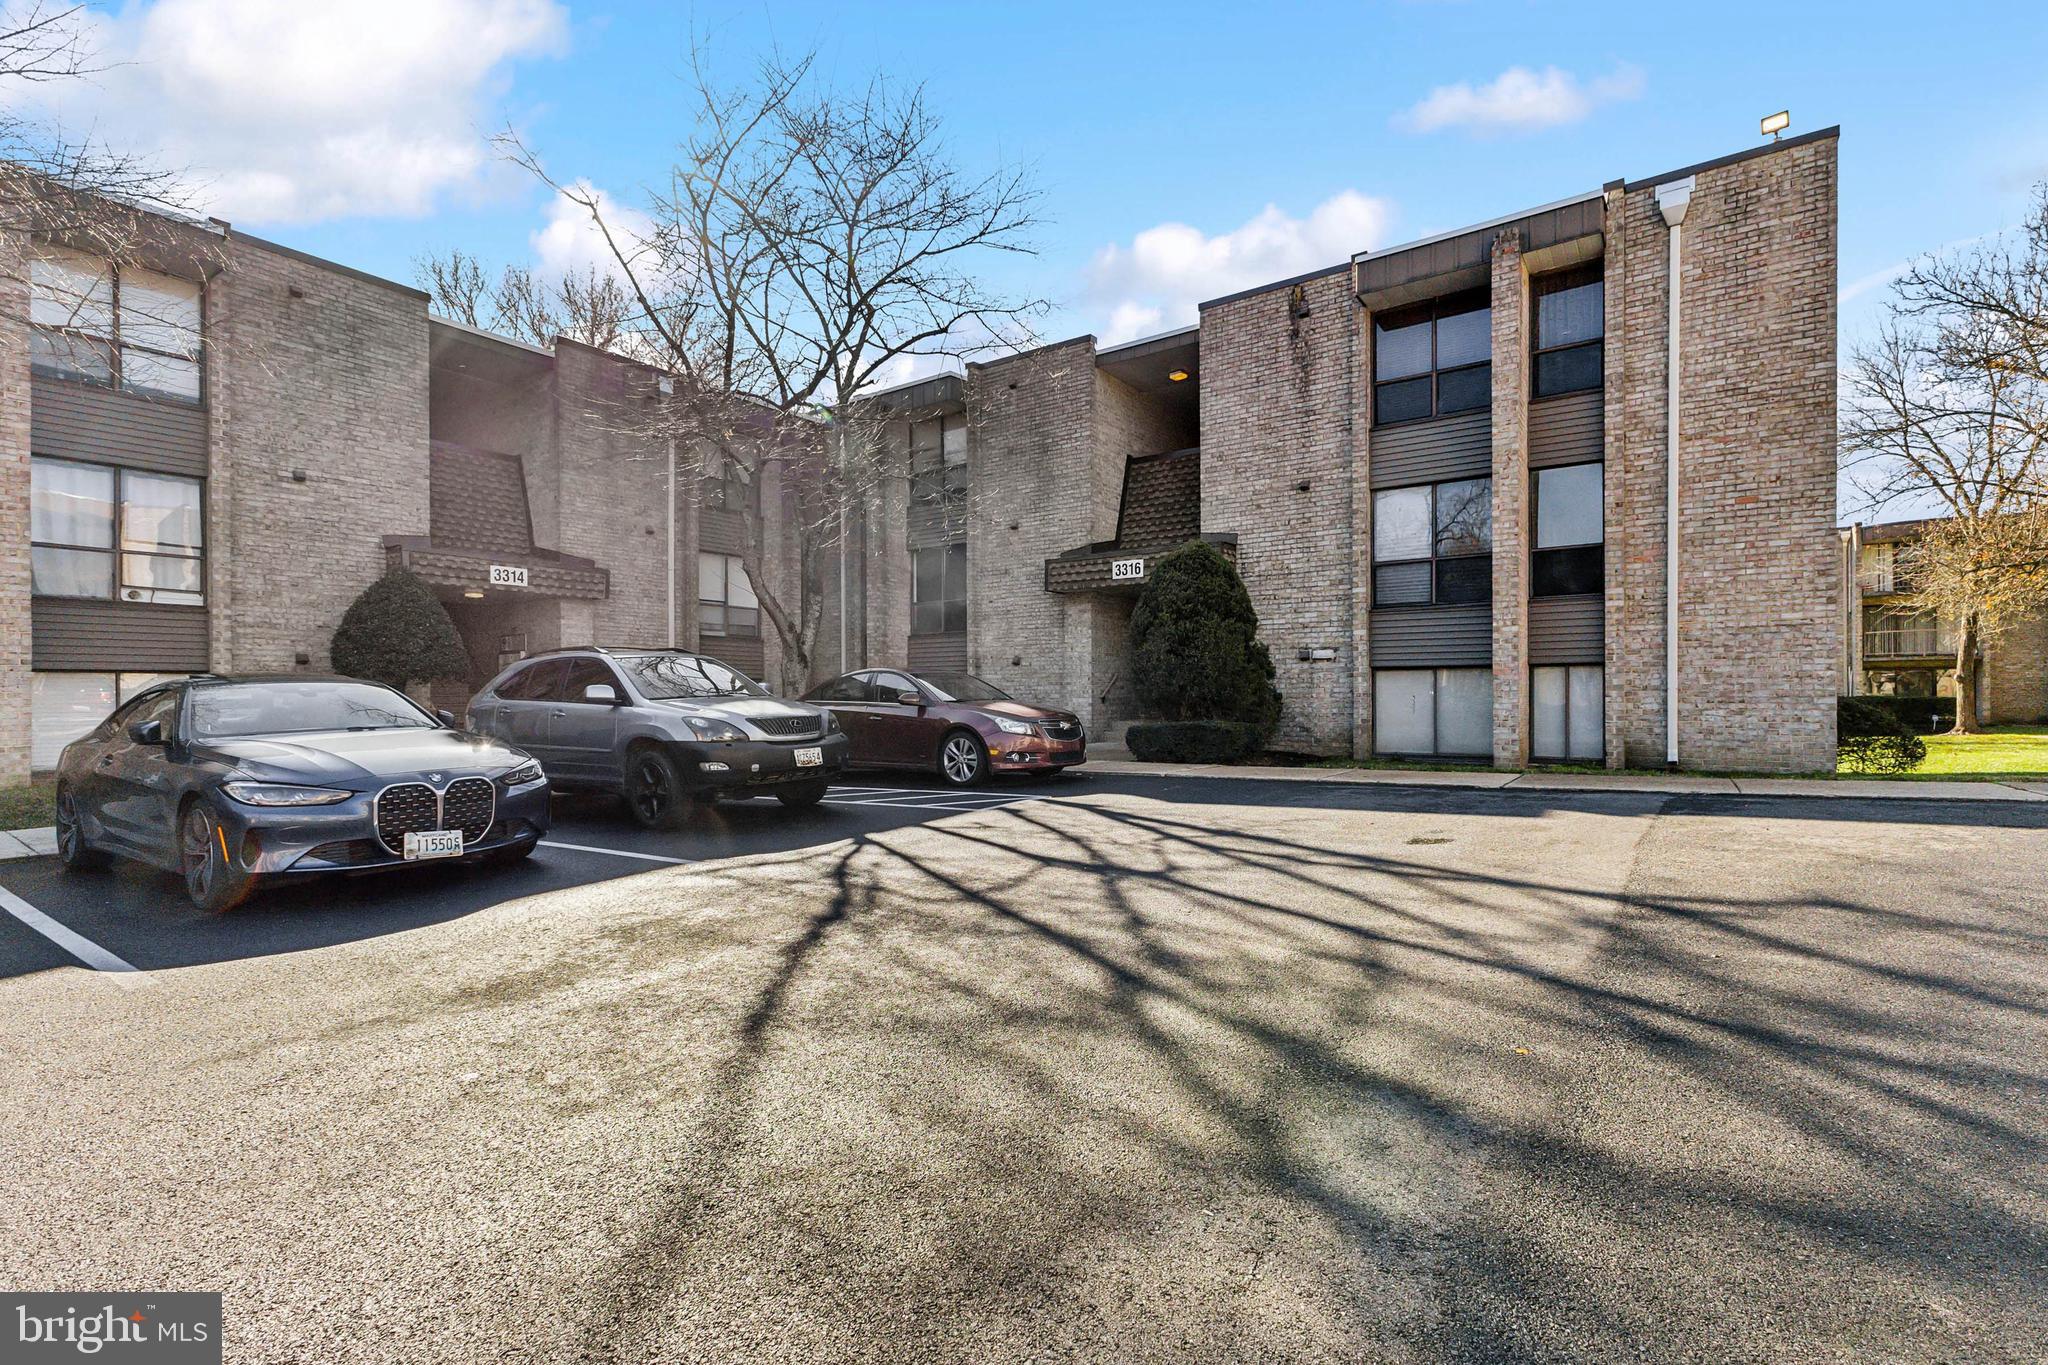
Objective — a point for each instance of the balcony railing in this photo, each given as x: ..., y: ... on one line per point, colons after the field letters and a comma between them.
x: 1908, y: 642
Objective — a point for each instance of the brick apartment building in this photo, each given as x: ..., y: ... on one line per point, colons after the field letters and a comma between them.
x: 1440, y: 467
x: 1892, y: 648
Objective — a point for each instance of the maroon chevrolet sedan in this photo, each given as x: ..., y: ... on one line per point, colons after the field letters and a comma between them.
x: 953, y: 724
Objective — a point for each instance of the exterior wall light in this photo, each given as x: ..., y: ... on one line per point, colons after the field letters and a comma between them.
x: 1776, y: 124
x: 473, y: 592
x: 1177, y: 375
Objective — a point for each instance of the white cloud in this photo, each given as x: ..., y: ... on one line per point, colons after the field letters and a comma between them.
x: 1520, y: 100
x: 294, y: 112
x: 1160, y: 278
x: 569, y: 243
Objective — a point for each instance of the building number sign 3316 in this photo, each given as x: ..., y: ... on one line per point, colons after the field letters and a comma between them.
x: 508, y: 576
x: 1120, y: 569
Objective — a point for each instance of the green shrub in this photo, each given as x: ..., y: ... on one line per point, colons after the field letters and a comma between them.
x: 1870, y: 739
x: 398, y: 633
x: 1193, y: 741
x: 1195, y: 651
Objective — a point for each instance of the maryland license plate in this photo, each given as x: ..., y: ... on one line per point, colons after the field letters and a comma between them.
x: 433, y: 843
x: 809, y: 758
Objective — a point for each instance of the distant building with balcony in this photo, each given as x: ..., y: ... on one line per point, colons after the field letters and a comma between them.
x: 1891, y: 647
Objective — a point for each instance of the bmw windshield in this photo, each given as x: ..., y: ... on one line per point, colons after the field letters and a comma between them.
x: 234, y: 710
x: 670, y: 677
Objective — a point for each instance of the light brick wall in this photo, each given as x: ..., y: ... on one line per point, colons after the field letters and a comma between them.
x: 884, y: 569
x: 332, y: 380
x: 1279, y: 393
x: 1031, y: 424
x: 1511, y: 498
x: 1759, y: 594
x: 15, y: 683
x: 2015, y: 688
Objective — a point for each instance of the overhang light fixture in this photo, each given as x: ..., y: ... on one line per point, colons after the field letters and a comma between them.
x: 1177, y: 375
x: 1776, y: 124
x: 473, y: 592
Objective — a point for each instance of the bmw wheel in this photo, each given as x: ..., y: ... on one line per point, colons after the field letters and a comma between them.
x: 211, y: 878
x: 72, y: 851
x: 962, y: 760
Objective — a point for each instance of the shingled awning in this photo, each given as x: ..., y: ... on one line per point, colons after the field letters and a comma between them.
x: 1161, y: 509
x: 479, y: 521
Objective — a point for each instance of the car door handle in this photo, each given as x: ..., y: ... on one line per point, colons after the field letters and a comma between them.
x: 558, y: 714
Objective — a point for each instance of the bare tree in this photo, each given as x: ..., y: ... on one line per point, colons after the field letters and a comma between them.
x: 1949, y: 405
x: 807, y: 242
x: 589, y: 305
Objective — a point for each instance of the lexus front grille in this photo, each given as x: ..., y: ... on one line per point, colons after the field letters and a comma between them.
x: 469, y: 805
x: 789, y: 727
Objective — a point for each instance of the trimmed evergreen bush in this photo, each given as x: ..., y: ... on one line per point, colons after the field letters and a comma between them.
x: 398, y: 633
x: 1195, y: 651
x: 1193, y: 741
x: 1870, y: 739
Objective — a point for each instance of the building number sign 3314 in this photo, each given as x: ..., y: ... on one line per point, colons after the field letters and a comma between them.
x: 1126, y: 569
x: 508, y: 576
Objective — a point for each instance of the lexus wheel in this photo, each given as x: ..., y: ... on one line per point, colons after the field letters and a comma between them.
x: 211, y: 878
x: 797, y: 795
x: 72, y: 851
x: 654, y: 790
x: 963, y: 762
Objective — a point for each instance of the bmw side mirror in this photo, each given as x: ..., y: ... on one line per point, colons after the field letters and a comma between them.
x: 602, y: 692
x: 910, y: 698
x: 148, y: 732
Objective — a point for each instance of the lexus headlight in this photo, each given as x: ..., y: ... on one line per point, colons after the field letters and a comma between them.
x: 279, y: 794
x: 828, y: 724
x: 703, y: 727
x: 1015, y: 727
x: 521, y: 775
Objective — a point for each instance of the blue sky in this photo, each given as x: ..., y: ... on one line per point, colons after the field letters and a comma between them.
x: 1184, y: 150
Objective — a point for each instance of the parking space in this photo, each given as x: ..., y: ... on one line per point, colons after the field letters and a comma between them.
x: 139, y: 917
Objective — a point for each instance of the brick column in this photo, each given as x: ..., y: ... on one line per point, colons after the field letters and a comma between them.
x: 1510, y: 504
x: 15, y: 695
x: 1361, y: 531
x: 1620, y: 548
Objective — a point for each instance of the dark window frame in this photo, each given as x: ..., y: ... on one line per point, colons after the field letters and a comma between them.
x: 1559, y: 562
x: 952, y: 606
x: 118, y: 525
x: 1558, y: 282
x: 1433, y: 311
x: 113, y: 345
x: 727, y: 627
x: 941, y: 478
x: 1435, y: 556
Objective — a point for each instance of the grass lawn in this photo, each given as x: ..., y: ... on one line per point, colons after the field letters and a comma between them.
x: 2004, y: 750
x: 29, y: 807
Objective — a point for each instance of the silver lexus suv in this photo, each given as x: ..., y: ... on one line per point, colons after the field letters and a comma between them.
x: 665, y: 729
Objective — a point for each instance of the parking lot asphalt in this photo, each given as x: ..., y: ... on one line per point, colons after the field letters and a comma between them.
x: 1114, y: 1069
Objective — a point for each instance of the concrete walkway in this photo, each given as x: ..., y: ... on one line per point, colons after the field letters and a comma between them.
x: 1680, y: 783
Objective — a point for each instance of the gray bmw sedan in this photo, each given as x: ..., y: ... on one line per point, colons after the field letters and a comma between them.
x: 230, y: 782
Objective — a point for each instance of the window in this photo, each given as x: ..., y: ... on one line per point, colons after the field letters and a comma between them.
x: 665, y: 677
x: 66, y: 706
x: 1433, y: 544
x: 1571, y: 523
x: 938, y: 589
x: 726, y: 604
x: 1433, y: 359
x: 536, y: 682
x: 1568, y: 712
x: 889, y: 686
x: 1909, y: 682
x: 230, y: 710
x: 1571, y: 319
x: 589, y: 673
x: 938, y: 457
x: 95, y: 531
x: 731, y: 489
x: 133, y: 328
x: 1445, y: 712
x: 852, y: 687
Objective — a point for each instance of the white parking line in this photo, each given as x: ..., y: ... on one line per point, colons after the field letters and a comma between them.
x: 615, y: 852
x: 122, y: 973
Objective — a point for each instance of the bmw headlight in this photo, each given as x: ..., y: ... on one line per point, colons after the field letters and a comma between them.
x: 703, y: 727
x: 279, y: 794
x: 521, y: 775
x: 1015, y: 727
